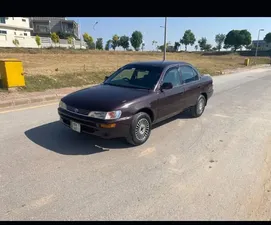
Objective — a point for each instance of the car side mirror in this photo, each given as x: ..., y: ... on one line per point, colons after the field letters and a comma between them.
x: 106, y: 77
x: 166, y: 86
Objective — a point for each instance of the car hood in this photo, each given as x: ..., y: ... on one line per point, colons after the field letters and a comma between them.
x: 103, y: 97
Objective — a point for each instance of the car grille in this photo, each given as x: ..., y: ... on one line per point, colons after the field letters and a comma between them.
x: 78, y: 111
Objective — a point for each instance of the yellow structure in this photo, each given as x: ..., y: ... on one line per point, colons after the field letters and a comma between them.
x: 247, y: 61
x: 11, y: 73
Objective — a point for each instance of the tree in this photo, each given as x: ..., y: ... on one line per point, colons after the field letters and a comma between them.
x: 63, y: 35
x: 188, y: 39
x: 208, y: 47
x: 219, y: 39
x: 267, y: 38
x: 99, y: 44
x: 196, y: 47
x: 226, y: 46
x: 124, y: 42
x: 142, y: 46
x: 176, y: 46
x: 136, y: 39
x: 161, y: 47
x: 107, y: 45
x: 238, y: 38
x: 89, y: 40
x: 115, y: 41
x: 91, y: 46
x: 38, y: 41
x: 202, y: 43
x: 214, y: 49
x: 70, y: 40
x: 16, y: 42
x: 54, y: 38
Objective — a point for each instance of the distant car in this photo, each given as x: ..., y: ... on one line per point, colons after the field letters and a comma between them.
x: 134, y: 98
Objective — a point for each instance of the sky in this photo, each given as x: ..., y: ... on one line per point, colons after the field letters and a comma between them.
x: 150, y: 27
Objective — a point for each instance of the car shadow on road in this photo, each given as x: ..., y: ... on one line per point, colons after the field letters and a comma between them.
x: 57, y: 137
x: 182, y: 116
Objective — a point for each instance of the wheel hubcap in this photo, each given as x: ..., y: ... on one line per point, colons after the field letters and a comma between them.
x: 142, y: 129
x: 201, y: 105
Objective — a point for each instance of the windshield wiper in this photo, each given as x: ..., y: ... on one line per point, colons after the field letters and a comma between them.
x: 127, y: 86
x: 117, y: 85
x: 144, y: 88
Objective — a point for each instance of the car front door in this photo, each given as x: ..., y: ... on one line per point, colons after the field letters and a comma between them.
x: 192, y: 85
x: 171, y: 101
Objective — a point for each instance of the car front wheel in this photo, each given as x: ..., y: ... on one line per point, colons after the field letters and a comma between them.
x: 198, y: 109
x: 140, y: 129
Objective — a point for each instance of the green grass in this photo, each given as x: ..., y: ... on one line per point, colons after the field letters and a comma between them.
x: 42, y: 82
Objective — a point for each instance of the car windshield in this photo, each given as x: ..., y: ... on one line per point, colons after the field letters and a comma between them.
x: 135, y: 77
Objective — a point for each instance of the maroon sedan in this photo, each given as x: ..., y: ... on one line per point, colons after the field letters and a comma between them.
x: 134, y: 98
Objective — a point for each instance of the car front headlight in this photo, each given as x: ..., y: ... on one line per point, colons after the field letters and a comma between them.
x: 62, y: 105
x: 105, y: 115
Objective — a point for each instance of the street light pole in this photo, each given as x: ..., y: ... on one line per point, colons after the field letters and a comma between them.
x: 258, y: 41
x: 94, y: 29
x: 95, y: 25
x: 165, y: 39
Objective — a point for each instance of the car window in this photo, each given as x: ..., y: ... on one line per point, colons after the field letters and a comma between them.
x: 127, y: 73
x: 141, y: 74
x: 188, y: 74
x: 173, y: 76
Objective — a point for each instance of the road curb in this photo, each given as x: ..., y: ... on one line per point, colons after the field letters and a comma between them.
x: 38, y: 99
x: 26, y: 101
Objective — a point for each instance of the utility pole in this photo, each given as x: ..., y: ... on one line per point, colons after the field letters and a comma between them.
x: 165, y: 39
x: 258, y: 42
x: 79, y: 33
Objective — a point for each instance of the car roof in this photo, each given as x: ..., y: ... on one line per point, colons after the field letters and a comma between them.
x: 161, y: 64
x: 158, y: 63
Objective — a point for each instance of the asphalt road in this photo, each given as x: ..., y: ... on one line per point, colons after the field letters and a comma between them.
x: 216, y: 167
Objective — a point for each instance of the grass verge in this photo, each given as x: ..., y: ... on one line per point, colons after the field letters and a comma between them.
x: 43, y: 82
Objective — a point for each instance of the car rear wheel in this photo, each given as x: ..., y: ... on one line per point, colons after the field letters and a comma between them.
x: 140, y: 129
x: 198, y: 109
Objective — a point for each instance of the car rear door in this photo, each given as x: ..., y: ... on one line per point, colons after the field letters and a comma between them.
x: 171, y: 101
x: 192, y: 84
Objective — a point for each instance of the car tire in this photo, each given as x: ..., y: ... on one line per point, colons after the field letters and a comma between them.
x: 198, y: 109
x: 140, y: 129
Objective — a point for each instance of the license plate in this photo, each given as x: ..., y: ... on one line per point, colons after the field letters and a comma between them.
x: 75, y: 126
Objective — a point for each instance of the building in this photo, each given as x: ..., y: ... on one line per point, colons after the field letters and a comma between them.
x: 17, y: 32
x: 44, y: 26
x: 262, y: 45
x: 16, y: 28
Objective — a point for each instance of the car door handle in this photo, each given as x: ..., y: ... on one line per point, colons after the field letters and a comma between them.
x: 198, y: 86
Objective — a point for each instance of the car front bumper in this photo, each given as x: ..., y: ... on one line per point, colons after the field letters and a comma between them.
x: 210, y: 93
x: 93, y: 126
